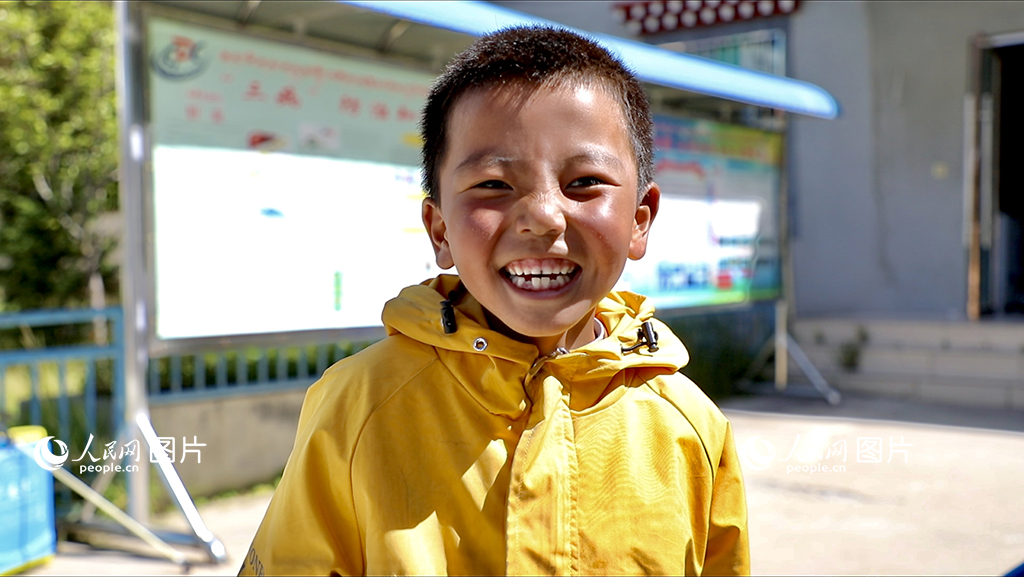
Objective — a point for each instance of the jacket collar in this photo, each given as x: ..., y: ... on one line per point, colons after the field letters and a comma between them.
x: 494, y: 367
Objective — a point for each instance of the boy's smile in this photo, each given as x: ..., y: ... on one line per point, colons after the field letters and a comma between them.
x: 539, y: 206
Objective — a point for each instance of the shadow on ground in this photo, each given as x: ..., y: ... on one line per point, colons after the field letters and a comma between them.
x: 804, y: 400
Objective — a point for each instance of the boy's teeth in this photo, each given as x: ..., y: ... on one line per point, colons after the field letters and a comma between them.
x: 539, y: 283
x: 532, y: 266
x: 540, y: 274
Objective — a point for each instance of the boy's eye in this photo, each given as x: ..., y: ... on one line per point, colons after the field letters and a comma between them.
x: 491, y: 184
x: 587, y: 181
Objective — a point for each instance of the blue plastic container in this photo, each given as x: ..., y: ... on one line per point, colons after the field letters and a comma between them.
x: 27, y: 532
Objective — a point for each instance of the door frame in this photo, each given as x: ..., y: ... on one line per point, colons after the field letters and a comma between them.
x: 982, y: 231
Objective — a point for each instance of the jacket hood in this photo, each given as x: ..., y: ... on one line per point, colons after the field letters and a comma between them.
x: 479, y: 356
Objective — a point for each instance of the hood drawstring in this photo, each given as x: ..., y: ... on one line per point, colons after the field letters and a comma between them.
x: 647, y: 337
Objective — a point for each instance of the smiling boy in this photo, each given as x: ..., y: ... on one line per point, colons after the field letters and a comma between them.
x: 536, y: 206
x: 519, y: 418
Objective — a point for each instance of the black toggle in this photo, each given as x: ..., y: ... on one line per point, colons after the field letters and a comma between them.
x: 448, y: 309
x: 448, y: 317
x: 646, y: 336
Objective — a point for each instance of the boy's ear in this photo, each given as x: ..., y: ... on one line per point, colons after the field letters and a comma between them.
x: 433, y: 220
x: 645, y: 213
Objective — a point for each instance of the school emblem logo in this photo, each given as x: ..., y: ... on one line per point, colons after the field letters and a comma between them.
x: 182, y: 58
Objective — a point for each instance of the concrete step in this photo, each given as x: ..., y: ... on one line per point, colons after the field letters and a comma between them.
x: 943, y: 335
x: 965, y: 392
x: 956, y: 363
x: 876, y: 359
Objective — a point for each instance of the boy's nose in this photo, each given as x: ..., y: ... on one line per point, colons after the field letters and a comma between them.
x: 542, y: 214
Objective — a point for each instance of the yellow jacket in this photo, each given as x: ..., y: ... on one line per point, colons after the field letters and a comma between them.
x: 468, y: 453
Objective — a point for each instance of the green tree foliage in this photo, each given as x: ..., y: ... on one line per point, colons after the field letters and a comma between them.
x: 58, y: 152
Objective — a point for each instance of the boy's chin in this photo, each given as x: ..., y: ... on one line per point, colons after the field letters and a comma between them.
x: 526, y: 329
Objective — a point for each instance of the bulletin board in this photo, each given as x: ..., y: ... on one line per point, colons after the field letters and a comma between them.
x: 285, y: 189
x: 283, y: 192
x: 715, y: 240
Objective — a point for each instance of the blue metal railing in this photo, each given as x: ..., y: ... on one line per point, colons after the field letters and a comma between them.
x: 242, y: 371
x: 170, y: 379
x: 93, y: 358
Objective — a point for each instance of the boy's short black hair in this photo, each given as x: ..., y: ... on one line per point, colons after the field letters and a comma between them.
x: 533, y: 56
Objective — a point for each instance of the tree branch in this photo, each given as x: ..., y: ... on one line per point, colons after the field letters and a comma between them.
x: 42, y: 187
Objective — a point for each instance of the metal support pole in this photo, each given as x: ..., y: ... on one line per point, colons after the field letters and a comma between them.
x: 133, y: 289
x: 213, y: 546
x: 784, y: 347
x: 781, y: 345
x: 811, y: 372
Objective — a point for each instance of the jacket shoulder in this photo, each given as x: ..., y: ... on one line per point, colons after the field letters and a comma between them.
x: 354, y: 387
x: 310, y: 526
x: 711, y: 426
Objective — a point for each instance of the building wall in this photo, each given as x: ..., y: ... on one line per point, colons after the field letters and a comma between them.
x: 840, y: 262
x: 880, y: 191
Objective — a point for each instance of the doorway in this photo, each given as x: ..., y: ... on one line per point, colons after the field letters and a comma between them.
x: 1009, y: 176
x: 1000, y: 177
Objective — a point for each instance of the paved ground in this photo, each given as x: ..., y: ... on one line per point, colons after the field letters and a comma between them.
x: 942, y: 500
x: 945, y: 497
x: 232, y: 520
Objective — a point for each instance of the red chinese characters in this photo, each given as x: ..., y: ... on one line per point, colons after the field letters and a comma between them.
x: 404, y: 114
x: 287, y: 97
x: 204, y: 95
x: 349, y: 104
x: 254, y: 92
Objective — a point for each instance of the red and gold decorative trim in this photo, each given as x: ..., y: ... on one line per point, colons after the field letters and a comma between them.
x: 654, y: 16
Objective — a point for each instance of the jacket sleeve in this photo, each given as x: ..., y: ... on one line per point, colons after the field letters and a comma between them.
x: 728, y: 550
x: 310, y: 525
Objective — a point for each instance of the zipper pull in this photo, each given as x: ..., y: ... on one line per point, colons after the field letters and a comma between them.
x: 539, y: 362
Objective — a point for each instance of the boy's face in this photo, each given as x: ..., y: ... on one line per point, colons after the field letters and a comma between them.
x: 538, y: 206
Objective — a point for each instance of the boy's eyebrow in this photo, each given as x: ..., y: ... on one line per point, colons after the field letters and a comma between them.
x: 597, y: 155
x: 489, y: 157
x: 483, y: 159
